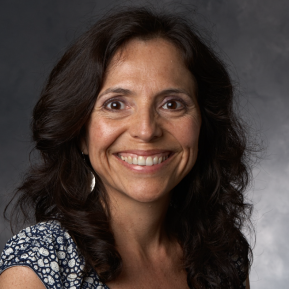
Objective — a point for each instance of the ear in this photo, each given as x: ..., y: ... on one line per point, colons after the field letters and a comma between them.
x: 83, y: 146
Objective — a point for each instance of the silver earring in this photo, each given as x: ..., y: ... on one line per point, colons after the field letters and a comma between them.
x: 92, y: 185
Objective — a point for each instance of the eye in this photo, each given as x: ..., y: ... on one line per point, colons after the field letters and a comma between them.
x: 115, y: 105
x: 173, y: 104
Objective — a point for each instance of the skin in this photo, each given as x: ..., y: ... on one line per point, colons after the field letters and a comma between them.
x: 20, y: 277
x: 141, y: 73
x: 147, y: 106
x: 143, y: 81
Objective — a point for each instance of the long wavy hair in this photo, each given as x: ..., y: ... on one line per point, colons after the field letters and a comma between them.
x: 208, y: 210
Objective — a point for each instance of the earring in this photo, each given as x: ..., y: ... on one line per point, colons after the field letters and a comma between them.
x: 92, y: 185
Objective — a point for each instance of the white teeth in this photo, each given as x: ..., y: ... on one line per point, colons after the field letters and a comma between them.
x: 156, y: 160
x: 149, y: 161
x: 142, y: 161
x: 134, y: 161
x: 129, y: 159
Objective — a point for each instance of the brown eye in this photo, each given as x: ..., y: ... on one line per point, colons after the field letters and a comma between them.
x: 115, y: 105
x: 172, y: 104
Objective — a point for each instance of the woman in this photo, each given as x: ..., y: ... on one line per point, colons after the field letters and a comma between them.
x: 142, y: 168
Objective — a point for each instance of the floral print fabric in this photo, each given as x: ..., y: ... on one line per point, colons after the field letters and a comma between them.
x: 50, y: 251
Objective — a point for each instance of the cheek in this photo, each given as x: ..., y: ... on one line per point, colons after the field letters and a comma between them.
x: 187, y: 133
x: 102, y: 134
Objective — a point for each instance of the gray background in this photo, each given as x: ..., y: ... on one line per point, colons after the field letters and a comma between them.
x: 252, y: 36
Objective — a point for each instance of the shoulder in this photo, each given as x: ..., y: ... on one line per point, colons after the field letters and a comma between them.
x: 51, y: 253
x: 48, y: 234
x: 20, y: 277
x: 39, y: 245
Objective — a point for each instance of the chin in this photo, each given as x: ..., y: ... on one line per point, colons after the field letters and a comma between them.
x: 143, y: 197
x: 147, y: 194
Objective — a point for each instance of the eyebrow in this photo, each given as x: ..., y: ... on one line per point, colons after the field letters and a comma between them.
x: 115, y: 90
x: 128, y: 92
x: 175, y: 91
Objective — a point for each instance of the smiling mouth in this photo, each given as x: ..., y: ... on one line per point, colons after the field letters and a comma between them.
x: 144, y: 160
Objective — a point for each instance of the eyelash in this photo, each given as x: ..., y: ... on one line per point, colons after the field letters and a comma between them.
x: 110, y: 101
x: 181, y: 101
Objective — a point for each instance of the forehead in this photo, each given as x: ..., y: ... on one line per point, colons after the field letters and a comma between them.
x: 154, y: 46
x: 149, y: 60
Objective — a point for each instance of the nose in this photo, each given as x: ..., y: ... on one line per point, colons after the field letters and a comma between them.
x: 145, y: 126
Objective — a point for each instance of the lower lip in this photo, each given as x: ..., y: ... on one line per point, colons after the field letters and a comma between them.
x: 144, y: 169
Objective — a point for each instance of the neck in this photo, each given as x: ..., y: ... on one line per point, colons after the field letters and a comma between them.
x: 138, y: 227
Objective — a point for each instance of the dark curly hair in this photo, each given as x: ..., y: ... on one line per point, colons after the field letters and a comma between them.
x: 208, y: 211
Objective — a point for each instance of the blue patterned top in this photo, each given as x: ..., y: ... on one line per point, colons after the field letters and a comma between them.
x: 50, y: 251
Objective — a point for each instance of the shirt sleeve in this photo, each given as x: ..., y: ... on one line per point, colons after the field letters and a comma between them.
x: 50, y: 251
x: 33, y: 247
x: 45, y: 249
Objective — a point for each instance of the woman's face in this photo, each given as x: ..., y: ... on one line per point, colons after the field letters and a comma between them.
x: 142, y: 136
